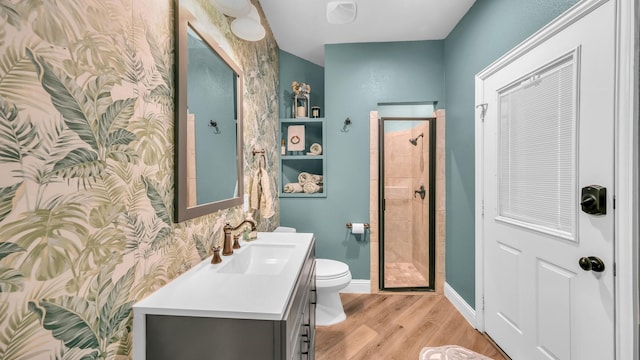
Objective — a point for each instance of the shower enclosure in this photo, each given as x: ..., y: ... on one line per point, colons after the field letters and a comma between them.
x: 407, y: 203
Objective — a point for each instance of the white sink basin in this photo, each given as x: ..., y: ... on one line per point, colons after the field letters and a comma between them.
x: 259, y: 259
x: 266, y: 269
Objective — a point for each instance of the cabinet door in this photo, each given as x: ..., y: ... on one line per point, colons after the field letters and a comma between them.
x: 196, y: 338
x: 310, y: 318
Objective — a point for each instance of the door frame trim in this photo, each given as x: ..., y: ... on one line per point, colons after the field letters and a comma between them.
x: 626, y: 165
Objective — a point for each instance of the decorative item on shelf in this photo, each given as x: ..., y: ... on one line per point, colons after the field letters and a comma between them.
x: 347, y: 124
x: 315, y: 112
x: 315, y: 149
x: 300, y: 104
x: 295, y: 133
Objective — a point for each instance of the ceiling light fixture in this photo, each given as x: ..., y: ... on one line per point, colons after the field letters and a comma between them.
x: 341, y: 12
x: 253, y: 13
x: 233, y: 8
x: 247, y: 29
x: 246, y: 24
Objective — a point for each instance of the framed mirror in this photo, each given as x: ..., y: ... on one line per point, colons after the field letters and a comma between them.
x: 208, y: 147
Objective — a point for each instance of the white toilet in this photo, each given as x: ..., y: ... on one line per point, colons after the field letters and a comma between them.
x: 331, y: 277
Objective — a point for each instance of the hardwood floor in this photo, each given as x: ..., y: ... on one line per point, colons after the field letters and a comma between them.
x: 394, y: 326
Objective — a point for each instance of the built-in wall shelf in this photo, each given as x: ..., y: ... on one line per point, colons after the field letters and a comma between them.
x: 293, y: 163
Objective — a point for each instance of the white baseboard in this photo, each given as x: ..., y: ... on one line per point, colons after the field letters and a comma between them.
x: 358, y: 287
x: 462, y: 306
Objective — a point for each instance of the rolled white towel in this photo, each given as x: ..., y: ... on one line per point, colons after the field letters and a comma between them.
x: 316, y: 179
x: 305, y: 177
x: 315, y: 149
x: 311, y: 188
x: 293, y: 188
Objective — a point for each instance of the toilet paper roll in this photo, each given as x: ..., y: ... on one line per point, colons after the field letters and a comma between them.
x: 357, y: 228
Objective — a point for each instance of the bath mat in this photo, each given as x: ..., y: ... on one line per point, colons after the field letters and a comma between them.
x: 450, y: 352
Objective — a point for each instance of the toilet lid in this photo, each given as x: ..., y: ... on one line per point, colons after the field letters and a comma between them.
x: 330, y: 269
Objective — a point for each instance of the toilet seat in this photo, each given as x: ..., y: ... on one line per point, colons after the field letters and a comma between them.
x: 327, y: 269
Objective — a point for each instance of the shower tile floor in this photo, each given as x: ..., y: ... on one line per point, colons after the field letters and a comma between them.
x: 403, y: 275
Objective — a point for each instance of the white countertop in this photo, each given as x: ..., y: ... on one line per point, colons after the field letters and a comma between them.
x: 205, y: 292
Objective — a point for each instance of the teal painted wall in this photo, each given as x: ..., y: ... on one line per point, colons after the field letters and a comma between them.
x: 357, y: 78
x: 211, y: 97
x: 486, y: 32
x: 293, y: 68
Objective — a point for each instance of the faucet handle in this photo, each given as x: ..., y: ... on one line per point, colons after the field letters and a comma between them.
x: 216, y: 255
x: 236, y: 241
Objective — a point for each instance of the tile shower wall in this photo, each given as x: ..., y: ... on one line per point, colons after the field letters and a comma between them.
x: 406, y: 168
x: 86, y: 168
x: 420, y: 209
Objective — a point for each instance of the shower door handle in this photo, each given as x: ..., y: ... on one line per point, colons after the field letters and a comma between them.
x: 421, y: 191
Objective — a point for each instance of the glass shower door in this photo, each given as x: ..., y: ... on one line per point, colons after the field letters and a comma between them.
x: 407, y: 208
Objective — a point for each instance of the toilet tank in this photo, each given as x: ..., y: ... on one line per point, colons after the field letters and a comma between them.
x: 285, y: 229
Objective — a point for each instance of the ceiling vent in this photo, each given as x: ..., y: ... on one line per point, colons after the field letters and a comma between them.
x: 341, y: 12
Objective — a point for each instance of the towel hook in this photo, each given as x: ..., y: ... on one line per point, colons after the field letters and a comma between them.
x: 483, y: 110
x: 214, y: 125
x: 347, y: 124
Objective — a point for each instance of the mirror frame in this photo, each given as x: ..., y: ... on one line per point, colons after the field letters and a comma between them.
x: 182, y: 212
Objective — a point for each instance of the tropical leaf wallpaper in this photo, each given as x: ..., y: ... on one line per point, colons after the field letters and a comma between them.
x: 86, y: 167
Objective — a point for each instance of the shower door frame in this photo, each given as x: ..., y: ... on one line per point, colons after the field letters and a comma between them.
x: 432, y: 204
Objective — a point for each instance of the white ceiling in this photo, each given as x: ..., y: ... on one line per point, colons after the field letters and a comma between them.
x: 300, y: 26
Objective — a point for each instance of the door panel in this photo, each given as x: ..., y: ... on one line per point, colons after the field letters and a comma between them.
x: 554, y: 310
x: 548, y: 132
x: 507, y: 260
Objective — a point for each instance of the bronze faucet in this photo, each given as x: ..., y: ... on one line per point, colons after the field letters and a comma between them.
x: 228, y: 229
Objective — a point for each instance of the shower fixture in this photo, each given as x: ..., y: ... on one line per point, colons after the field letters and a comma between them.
x: 414, y: 141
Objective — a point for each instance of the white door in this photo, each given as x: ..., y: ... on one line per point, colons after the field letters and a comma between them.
x: 548, y: 133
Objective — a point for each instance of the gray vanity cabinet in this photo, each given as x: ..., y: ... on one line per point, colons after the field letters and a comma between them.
x: 171, y: 337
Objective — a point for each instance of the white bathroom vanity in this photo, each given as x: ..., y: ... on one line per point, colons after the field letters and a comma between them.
x: 259, y: 303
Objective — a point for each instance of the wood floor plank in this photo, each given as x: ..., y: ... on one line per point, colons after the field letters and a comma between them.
x: 393, y: 326
x: 351, y: 343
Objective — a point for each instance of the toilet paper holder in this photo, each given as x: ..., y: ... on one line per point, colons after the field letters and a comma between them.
x: 349, y: 225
